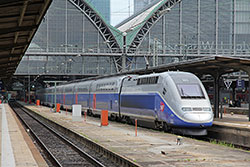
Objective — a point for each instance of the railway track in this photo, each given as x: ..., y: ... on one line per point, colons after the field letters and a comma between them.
x: 116, y: 159
x: 233, y: 140
x: 59, y: 150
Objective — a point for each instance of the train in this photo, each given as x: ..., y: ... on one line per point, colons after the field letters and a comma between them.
x: 172, y: 101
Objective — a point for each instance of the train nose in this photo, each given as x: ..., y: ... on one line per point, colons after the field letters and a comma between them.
x: 198, y: 117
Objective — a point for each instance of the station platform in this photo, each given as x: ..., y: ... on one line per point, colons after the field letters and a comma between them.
x: 17, y: 149
x: 150, y: 148
x: 234, y: 120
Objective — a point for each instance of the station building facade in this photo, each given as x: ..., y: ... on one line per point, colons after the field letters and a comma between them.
x: 103, y: 7
x: 140, y: 4
x: 203, y: 27
x: 164, y: 32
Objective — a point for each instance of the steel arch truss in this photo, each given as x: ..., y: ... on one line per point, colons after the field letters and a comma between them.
x: 149, y: 24
x: 98, y: 22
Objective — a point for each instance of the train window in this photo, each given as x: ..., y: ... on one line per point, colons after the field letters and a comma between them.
x: 105, y: 86
x: 67, y: 90
x: 190, y: 91
x: 147, y: 80
x: 82, y: 89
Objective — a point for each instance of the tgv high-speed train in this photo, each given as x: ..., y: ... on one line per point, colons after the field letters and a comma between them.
x: 170, y: 100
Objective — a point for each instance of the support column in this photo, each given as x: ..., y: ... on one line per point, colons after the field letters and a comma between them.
x: 234, y: 27
x: 216, y: 95
x: 164, y: 34
x: 83, y: 72
x: 29, y: 89
x: 180, y: 28
x: 47, y: 33
x: 124, y: 54
x: 216, y: 25
x: 66, y: 26
x: 199, y: 25
x: 248, y: 96
x: 55, y: 97
x: 24, y: 89
x: 248, y: 72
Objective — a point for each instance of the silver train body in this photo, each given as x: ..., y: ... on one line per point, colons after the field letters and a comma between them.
x: 170, y: 100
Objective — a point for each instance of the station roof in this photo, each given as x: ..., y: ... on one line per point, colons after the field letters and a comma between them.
x: 19, y: 20
x: 214, y: 65
x: 138, y: 18
x: 117, y: 34
x: 132, y: 25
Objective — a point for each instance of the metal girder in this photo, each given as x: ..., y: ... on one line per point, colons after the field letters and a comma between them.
x: 15, y: 15
x: 98, y: 23
x: 19, y: 21
x: 3, y: 39
x: 8, y: 3
x: 156, y: 16
x: 102, y: 28
x: 9, y: 55
x: 5, y: 31
x: 10, y: 46
x: 8, y: 63
x: 9, y: 70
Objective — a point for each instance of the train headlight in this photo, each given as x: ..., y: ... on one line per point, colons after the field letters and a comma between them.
x: 186, y: 109
x: 207, y: 109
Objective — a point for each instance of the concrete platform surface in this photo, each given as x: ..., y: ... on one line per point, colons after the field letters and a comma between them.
x: 150, y: 148
x: 17, y: 149
x: 234, y: 120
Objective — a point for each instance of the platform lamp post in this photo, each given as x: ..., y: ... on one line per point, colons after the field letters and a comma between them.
x: 124, y: 52
x: 55, y: 93
x: 184, y: 50
x: 155, y: 53
x: 28, y: 89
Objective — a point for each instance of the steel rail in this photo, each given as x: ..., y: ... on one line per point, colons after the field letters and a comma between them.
x: 89, y: 158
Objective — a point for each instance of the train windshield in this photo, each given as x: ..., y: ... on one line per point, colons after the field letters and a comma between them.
x: 190, y: 91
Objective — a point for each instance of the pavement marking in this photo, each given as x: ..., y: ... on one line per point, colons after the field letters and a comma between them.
x: 7, y: 158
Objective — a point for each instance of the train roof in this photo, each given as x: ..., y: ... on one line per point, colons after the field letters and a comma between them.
x: 165, y: 73
x: 99, y: 77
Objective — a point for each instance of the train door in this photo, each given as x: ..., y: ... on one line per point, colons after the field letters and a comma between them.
x: 113, y: 100
x: 162, y: 106
x: 119, y: 96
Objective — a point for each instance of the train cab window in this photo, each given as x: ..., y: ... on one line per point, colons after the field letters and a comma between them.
x: 190, y: 91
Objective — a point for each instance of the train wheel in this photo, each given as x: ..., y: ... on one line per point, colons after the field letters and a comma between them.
x: 120, y: 119
x: 113, y: 117
x: 158, y: 124
x: 89, y: 112
x: 129, y: 121
x: 166, y: 128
